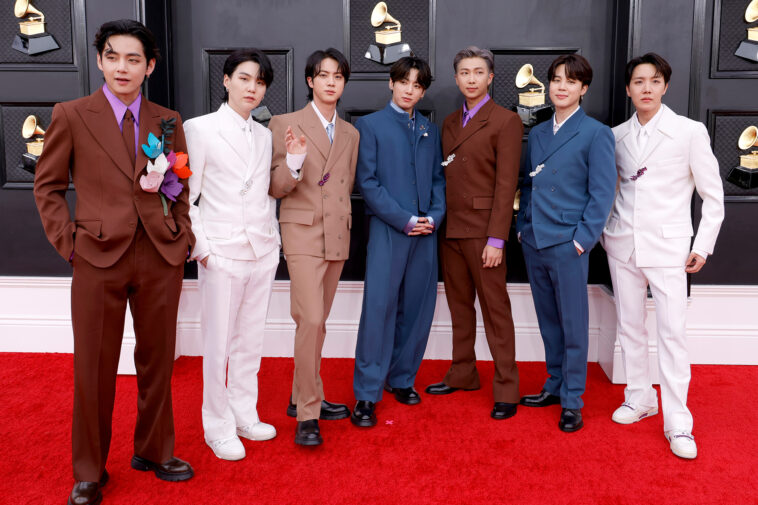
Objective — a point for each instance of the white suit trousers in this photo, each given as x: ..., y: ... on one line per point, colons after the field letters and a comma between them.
x: 669, y: 288
x: 234, y: 299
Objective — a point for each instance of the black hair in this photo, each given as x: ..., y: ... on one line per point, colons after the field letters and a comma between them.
x: 575, y: 67
x: 128, y: 27
x: 662, y: 66
x: 402, y: 67
x: 313, y: 66
x: 239, y: 56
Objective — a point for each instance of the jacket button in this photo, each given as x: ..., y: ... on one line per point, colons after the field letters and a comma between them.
x: 340, y: 199
x: 339, y: 236
x: 342, y: 181
x: 326, y: 215
x: 464, y: 158
x: 552, y: 188
x: 338, y: 253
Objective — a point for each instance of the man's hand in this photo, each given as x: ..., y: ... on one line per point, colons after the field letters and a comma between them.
x: 423, y: 227
x: 294, y: 145
x: 694, y: 263
x: 491, y: 256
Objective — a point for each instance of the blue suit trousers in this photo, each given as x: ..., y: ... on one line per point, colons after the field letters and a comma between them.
x: 558, y: 278
x: 399, y: 296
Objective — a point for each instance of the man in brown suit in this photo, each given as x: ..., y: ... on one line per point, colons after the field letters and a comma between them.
x: 123, y: 247
x: 481, y: 145
x: 315, y: 219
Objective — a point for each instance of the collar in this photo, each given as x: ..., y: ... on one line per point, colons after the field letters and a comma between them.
x: 321, y: 118
x: 397, y: 108
x: 236, y: 119
x: 476, y: 107
x: 650, y: 126
x: 119, y: 107
x: 557, y: 125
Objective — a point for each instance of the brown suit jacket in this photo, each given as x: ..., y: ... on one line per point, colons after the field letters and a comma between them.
x: 315, y: 220
x: 84, y: 140
x: 483, y: 177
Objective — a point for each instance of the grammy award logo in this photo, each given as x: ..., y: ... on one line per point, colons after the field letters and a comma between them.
x: 748, y: 49
x: 388, y: 46
x: 746, y: 175
x: 32, y: 40
x: 531, y: 106
x: 31, y: 129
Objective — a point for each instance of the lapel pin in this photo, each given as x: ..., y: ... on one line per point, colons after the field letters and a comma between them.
x: 537, y: 170
x: 639, y: 173
x: 448, y: 161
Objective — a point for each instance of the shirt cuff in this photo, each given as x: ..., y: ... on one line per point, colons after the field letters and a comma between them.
x: 295, y: 163
x: 411, y: 223
x: 700, y: 253
x: 431, y: 221
x: 496, y: 242
x: 579, y: 246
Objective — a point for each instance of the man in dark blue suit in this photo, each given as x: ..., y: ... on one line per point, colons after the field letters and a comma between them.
x: 567, y: 191
x: 400, y: 176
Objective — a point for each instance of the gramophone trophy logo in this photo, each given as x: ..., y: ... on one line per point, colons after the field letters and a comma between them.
x: 748, y: 49
x: 531, y: 107
x: 32, y: 40
x: 746, y: 175
x: 388, y: 47
x: 31, y: 129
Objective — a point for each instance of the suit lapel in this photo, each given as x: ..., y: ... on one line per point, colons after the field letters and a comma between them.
x: 102, y: 124
x: 314, y: 130
x: 232, y: 135
x: 339, y: 145
x: 565, y: 133
x: 663, y: 130
x: 149, y: 121
x: 474, y: 124
x: 626, y: 140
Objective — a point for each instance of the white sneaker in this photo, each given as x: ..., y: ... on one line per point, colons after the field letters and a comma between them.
x: 682, y: 444
x: 230, y: 449
x: 629, y: 413
x: 258, y: 431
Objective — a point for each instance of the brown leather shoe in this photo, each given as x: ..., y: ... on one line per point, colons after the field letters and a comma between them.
x: 85, y: 493
x: 172, y: 470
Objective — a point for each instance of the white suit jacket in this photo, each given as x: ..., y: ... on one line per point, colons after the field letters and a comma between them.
x: 651, y: 215
x: 235, y: 217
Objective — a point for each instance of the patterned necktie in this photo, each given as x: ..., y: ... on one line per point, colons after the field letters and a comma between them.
x: 127, y: 132
x: 330, y: 132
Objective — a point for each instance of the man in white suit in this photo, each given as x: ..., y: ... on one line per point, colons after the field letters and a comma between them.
x: 661, y: 158
x: 237, y: 251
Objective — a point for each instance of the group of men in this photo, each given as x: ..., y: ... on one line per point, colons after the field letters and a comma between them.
x: 127, y: 244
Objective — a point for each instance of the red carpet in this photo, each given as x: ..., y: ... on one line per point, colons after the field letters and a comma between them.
x: 445, y: 450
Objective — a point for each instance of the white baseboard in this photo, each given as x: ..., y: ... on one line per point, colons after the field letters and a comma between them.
x: 35, y: 317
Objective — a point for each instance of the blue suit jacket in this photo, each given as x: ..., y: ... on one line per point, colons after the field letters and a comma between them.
x: 571, y: 195
x: 399, y: 170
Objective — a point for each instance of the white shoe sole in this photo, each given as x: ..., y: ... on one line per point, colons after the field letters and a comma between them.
x: 227, y: 456
x: 684, y: 455
x: 259, y: 438
x: 632, y: 420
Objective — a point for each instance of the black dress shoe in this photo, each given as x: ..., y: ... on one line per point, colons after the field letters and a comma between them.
x: 363, y: 414
x: 329, y: 411
x: 543, y: 399
x: 85, y: 493
x: 571, y: 420
x: 408, y: 396
x: 307, y: 433
x: 172, y: 470
x: 503, y: 410
x: 104, y: 478
x: 440, y: 388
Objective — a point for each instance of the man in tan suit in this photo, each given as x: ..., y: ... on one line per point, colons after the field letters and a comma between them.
x: 481, y: 143
x: 315, y: 219
x: 124, y: 245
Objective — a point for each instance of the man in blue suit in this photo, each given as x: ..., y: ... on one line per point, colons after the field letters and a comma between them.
x: 400, y: 176
x: 567, y: 191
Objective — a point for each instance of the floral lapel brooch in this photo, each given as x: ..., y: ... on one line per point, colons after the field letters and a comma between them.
x: 166, y: 167
x: 448, y: 161
x: 639, y: 174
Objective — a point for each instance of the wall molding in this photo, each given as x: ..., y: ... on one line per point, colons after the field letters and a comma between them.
x: 35, y: 317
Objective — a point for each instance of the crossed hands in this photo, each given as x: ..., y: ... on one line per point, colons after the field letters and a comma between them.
x: 423, y: 227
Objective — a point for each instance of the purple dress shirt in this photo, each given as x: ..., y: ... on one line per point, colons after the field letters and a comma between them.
x: 467, y: 115
x: 119, y: 109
